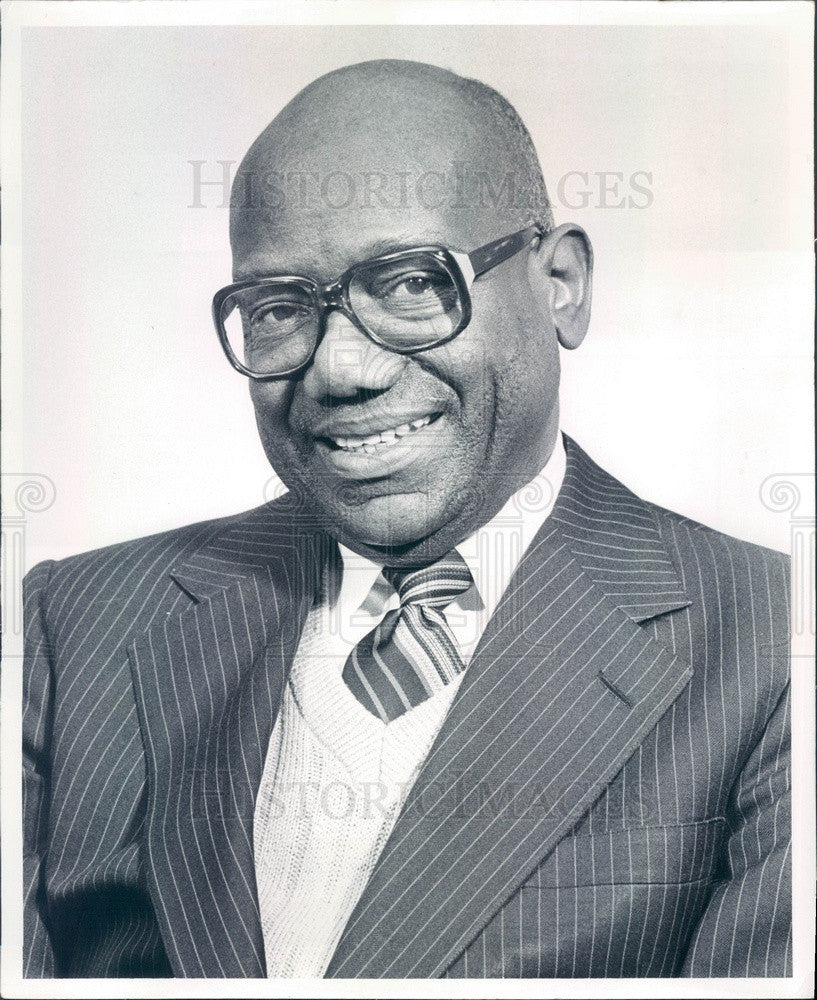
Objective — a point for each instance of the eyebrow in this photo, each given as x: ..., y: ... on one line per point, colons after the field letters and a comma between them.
x: 392, y: 244
x: 377, y: 248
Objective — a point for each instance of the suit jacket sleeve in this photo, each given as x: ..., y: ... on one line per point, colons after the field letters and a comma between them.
x: 38, y: 952
x: 746, y: 927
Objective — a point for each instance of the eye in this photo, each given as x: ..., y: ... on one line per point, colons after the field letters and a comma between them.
x: 279, y: 316
x: 280, y: 312
x: 416, y: 284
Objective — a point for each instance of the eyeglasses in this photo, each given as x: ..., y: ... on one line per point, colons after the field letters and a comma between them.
x: 406, y: 301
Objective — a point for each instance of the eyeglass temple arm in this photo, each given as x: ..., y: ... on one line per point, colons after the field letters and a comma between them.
x: 484, y: 258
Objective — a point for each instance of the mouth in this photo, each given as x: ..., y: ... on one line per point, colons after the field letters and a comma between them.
x: 382, y: 453
x: 377, y: 441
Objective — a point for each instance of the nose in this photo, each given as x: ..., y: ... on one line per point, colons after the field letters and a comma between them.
x: 348, y: 364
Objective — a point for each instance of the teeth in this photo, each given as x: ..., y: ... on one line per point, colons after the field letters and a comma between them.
x: 389, y: 436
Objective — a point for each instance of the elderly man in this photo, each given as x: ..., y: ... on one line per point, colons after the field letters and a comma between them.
x: 458, y: 704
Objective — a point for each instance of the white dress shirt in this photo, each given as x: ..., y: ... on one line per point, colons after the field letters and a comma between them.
x: 335, y: 776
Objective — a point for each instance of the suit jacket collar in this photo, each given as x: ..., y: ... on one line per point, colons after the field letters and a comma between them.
x: 613, y: 536
x: 509, y: 774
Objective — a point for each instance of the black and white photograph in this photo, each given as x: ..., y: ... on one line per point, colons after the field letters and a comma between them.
x: 408, y: 499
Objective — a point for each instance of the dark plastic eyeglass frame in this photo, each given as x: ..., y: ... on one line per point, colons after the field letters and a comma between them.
x: 335, y: 294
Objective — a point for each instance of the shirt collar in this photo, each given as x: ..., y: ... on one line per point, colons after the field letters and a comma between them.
x: 492, y: 552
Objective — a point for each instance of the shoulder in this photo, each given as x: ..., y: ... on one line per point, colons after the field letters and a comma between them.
x: 741, y: 585
x: 740, y: 591
x: 701, y: 549
x: 136, y: 564
x: 683, y: 537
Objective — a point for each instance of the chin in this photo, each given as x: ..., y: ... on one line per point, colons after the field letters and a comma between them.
x: 388, y: 524
x: 373, y: 534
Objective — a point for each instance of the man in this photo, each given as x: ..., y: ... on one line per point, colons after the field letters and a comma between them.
x: 415, y: 718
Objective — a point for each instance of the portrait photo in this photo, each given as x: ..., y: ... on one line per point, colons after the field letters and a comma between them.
x: 408, y: 499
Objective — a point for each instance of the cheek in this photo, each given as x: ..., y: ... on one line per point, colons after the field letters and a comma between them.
x: 271, y: 401
x: 518, y: 378
x: 527, y: 393
x: 501, y: 361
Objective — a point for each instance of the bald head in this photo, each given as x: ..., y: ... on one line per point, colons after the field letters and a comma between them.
x: 391, y: 135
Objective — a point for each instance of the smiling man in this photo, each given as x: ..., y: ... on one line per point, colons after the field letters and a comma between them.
x: 459, y: 704
x: 417, y: 337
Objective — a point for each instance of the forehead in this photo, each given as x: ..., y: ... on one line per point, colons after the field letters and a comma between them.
x: 318, y: 201
x: 324, y: 247
x: 326, y: 221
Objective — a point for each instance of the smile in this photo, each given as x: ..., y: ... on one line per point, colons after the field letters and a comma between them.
x: 379, y: 440
x: 384, y: 453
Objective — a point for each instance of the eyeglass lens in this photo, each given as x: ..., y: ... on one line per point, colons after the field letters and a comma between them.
x: 407, y: 303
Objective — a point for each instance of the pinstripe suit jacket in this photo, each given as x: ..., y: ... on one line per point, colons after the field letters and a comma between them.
x: 608, y: 795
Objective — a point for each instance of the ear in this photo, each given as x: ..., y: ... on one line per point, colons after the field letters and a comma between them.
x: 563, y: 262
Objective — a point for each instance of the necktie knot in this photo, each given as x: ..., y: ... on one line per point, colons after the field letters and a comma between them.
x: 435, y: 586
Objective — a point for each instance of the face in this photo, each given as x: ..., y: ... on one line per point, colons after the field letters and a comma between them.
x: 452, y: 431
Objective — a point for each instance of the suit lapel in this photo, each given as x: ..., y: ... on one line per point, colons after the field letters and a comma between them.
x: 208, y: 686
x: 563, y: 687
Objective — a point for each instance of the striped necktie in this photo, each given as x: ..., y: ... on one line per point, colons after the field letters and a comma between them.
x: 412, y: 653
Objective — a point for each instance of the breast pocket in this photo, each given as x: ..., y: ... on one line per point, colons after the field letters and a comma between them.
x: 622, y: 903
x: 662, y: 855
